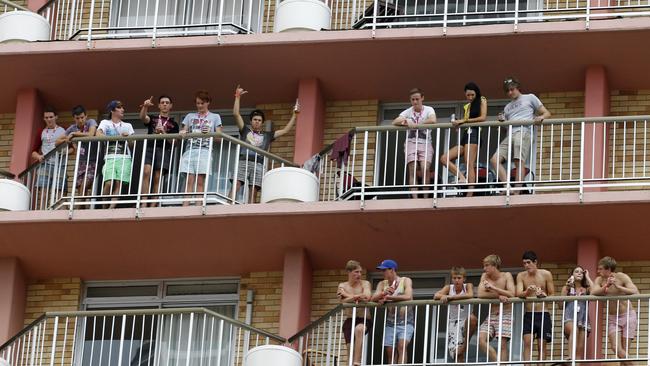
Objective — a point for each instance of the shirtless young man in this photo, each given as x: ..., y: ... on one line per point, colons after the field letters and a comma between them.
x: 355, y: 290
x: 398, y: 326
x: 535, y: 282
x: 622, y: 320
x: 496, y: 285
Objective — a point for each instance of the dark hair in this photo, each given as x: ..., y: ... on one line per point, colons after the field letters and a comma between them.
x: 78, y: 109
x: 511, y: 81
x: 530, y: 255
x: 584, y: 283
x: 415, y: 91
x: 475, y: 106
x: 50, y: 109
x: 165, y: 96
x: 203, y: 95
x: 257, y: 112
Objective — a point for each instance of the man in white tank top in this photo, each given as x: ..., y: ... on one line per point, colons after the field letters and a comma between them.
x: 461, y: 323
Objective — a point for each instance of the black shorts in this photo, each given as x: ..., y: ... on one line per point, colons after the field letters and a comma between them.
x: 158, y: 158
x: 347, y: 327
x: 469, y: 135
x: 533, y: 324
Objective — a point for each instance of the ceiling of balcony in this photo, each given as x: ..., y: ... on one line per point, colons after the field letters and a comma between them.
x: 233, y: 240
x: 350, y: 64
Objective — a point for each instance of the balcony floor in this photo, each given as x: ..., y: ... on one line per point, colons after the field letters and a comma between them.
x: 551, y: 56
x: 230, y: 240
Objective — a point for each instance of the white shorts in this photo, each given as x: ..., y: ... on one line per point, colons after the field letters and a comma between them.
x: 195, y: 161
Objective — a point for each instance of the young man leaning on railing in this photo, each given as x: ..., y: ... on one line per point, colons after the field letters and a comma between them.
x: 399, y: 319
x: 354, y: 291
x: 622, y: 318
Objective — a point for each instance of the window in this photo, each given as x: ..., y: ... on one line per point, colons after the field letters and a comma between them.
x: 184, y: 17
x: 149, y: 338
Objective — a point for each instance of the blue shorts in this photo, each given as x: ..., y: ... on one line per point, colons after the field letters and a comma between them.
x: 398, y: 331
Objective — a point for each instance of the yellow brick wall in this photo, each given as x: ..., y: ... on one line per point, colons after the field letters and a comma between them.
x: 559, y: 145
x: 266, y: 304
x: 7, y: 122
x: 280, y: 114
x: 57, y: 294
x: 340, y: 117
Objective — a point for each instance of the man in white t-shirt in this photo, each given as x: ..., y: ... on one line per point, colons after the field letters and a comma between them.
x: 117, y: 161
x: 417, y: 147
x: 197, y: 158
x: 49, y: 178
x: 522, y: 107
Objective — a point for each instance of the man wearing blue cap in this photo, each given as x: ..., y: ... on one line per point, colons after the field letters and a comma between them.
x: 399, y: 324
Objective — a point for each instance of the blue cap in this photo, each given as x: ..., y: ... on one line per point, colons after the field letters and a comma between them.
x: 112, y: 105
x: 387, y: 264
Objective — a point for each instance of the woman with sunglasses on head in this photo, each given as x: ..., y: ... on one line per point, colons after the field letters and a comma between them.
x: 474, y: 111
x: 578, y: 284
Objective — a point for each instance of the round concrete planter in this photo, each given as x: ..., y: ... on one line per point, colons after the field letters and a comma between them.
x: 23, y: 26
x: 289, y: 185
x: 301, y: 15
x: 13, y: 196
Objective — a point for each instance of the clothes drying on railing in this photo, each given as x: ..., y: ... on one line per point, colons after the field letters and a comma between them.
x: 312, y: 164
x: 341, y: 149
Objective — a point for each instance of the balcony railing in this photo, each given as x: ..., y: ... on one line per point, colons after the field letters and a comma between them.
x: 372, y: 14
x: 109, y: 19
x: 566, y: 155
x: 435, y: 326
x: 149, y: 170
x: 192, y: 336
x: 7, y: 6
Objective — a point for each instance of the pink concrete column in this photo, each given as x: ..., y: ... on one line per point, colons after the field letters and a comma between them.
x: 588, y: 256
x: 35, y: 5
x: 13, y: 292
x: 295, y: 307
x: 29, y: 119
x: 311, y: 121
x: 596, y: 105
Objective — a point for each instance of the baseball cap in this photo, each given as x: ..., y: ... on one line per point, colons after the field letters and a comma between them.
x: 387, y: 264
x: 112, y: 105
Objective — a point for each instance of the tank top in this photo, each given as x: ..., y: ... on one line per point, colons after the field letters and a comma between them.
x: 457, y: 312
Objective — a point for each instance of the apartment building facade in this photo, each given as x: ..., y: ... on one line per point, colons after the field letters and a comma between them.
x: 276, y: 266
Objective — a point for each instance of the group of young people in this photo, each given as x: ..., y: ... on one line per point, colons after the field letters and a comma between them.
x: 419, y: 151
x: 117, y: 156
x: 462, y: 323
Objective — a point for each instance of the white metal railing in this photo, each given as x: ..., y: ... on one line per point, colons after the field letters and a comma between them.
x: 372, y: 14
x: 7, y: 6
x: 149, y: 170
x: 108, y: 19
x: 433, y: 327
x: 6, y: 175
x: 565, y: 155
x: 188, y: 336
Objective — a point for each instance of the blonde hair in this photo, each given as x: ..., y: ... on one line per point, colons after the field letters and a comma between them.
x: 608, y: 263
x: 352, y: 265
x: 493, y: 260
x: 460, y: 271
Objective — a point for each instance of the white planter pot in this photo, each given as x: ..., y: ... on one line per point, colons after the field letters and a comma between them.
x: 272, y: 356
x: 297, y: 15
x: 289, y: 185
x: 13, y: 196
x: 23, y: 26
